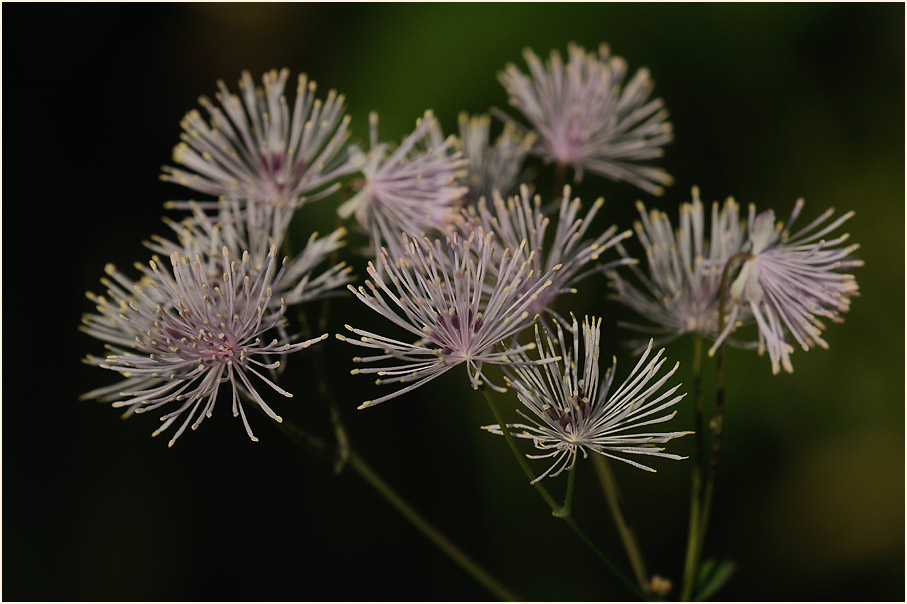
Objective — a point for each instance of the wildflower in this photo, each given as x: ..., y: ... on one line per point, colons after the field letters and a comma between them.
x: 789, y: 281
x: 520, y: 219
x: 255, y: 149
x: 434, y: 292
x: 176, y: 335
x: 255, y: 228
x: 679, y: 293
x: 572, y: 412
x: 492, y: 168
x: 588, y: 119
x: 412, y: 189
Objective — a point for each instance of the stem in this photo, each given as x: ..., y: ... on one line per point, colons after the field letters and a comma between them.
x: 571, y: 487
x: 465, y: 562
x: 571, y: 522
x: 627, y: 536
x: 353, y: 185
x: 717, y: 423
x: 321, y: 450
x: 324, y: 390
x: 556, y: 509
x: 693, y: 542
x: 559, y: 511
x: 560, y: 176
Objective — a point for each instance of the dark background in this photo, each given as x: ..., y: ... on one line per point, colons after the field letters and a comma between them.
x: 769, y: 103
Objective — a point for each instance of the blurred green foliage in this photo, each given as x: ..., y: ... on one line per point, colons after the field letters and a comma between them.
x: 769, y: 102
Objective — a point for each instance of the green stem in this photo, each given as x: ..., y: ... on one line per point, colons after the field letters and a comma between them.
x: 627, y: 536
x: 556, y: 509
x: 320, y: 449
x: 559, y: 511
x: 324, y: 390
x: 571, y: 487
x: 365, y: 471
x: 716, y: 424
x: 693, y: 543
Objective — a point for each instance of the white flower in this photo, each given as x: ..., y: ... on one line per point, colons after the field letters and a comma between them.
x: 519, y: 221
x: 435, y: 292
x: 789, y: 282
x: 678, y: 293
x: 255, y: 149
x: 572, y: 411
x: 255, y: 228
x: 413, y: 189
x: 493, y: 169
x: 178, y: 333
x: 587, y: 118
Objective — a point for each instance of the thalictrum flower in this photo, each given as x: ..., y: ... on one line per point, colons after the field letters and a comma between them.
x: 435, y: 292
x: 178, y: 333
x: 241, y: 227
x: 255, y: 149
x: 587, y: 118
x: 492, y: 168
x: 412, y: 189
x: 789, y: 282
x: 679, y: 292
x: 520, y: 219
x: 573, y: 411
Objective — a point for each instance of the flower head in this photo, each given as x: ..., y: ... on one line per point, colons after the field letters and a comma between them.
x: 255, y: 228
x: 588, y: 119
x: 254, y: 148
x: 493, y: 169
x: 435, y: 292
x: 520, y: 223
x: 178, y: 333
x: 679, y: 292
x: 573, y: 411
x: 789, y: 282
x: 413, y: 189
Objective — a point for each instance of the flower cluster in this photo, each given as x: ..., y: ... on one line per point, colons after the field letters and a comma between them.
x: 786, y: 283
x: 180, y: 332
x: 216, y: 315
x: 465, y: 258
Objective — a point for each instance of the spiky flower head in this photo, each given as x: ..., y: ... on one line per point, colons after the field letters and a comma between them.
x: 678, y: 293
x: 572, y: 410
x: 492, y: 168
x: 790, y: 282
x: 588, y: 118
x: 255, y: 148
x: 435, y: 293
x: 412, y: 189
x: 177, y: 334
x: 521, y: 219
x: 255, y: 228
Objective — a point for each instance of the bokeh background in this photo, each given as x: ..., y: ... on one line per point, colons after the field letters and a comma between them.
x: 769, y: 103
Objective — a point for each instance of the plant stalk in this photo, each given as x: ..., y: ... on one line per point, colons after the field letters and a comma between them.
x: 693, y: 544
x: 453, y: 552
x: 559, y: 511
x: 321, y: 450
x: 608, y: 482
x: 717, y: 427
